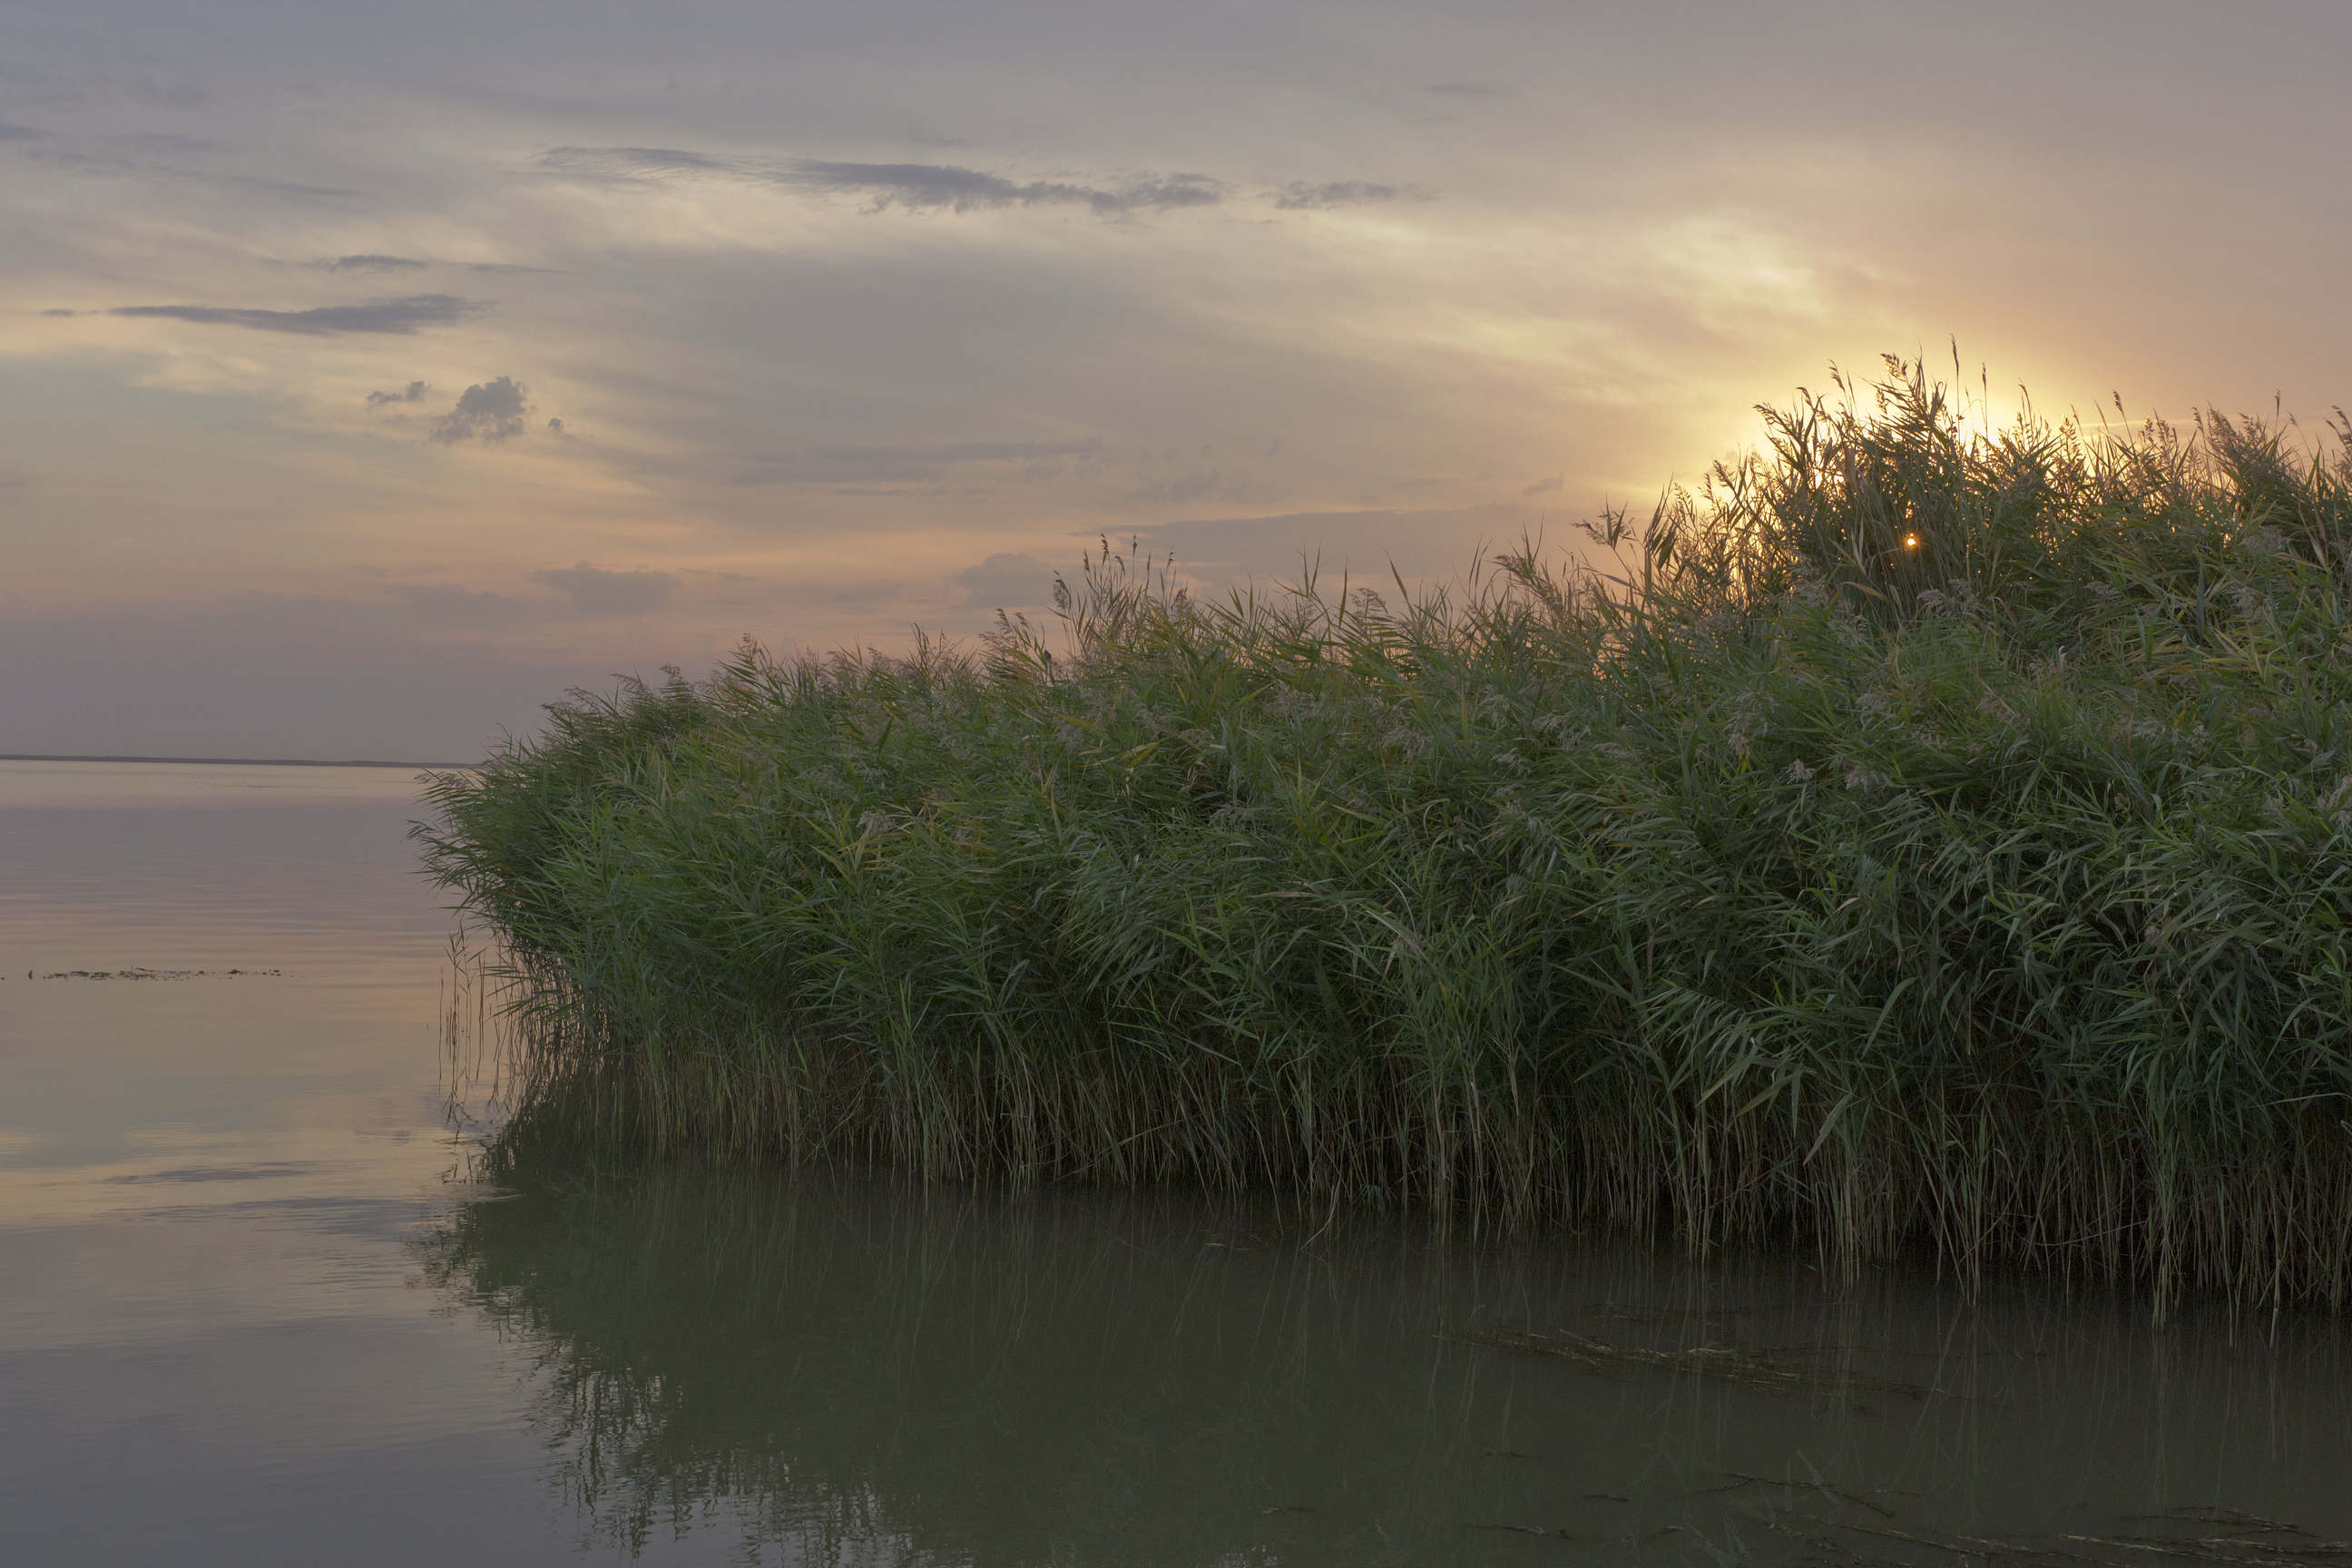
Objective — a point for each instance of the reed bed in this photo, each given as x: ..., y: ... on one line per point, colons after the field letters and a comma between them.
x: 1920, y: 835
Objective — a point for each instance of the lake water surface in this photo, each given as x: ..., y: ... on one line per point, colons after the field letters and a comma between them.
x: 252, y: 1310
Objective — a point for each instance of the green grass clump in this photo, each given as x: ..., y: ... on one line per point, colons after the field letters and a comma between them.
x: 1922, y: 835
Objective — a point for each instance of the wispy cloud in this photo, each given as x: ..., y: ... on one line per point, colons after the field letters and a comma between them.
x: 401, y: 317
x: 140, y: 158
x: 1188, y: 487
x: 369, y: 263
x: 911, y: 185
x: 414, y: 393
x: 940, y: 184
x: 11, y: 131
x: 1304, y: 194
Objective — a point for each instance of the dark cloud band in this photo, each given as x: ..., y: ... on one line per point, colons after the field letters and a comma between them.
x: 944, y: 186
x: 400, y: 317
x: 370, y: 263
x: 915, y: 185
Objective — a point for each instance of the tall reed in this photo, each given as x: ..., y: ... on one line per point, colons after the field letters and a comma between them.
x: 1921, y: 836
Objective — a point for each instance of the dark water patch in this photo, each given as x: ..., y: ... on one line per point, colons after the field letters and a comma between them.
x: 805, y: 1366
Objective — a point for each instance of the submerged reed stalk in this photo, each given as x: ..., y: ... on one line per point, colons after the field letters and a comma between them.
x: 1921, y: 836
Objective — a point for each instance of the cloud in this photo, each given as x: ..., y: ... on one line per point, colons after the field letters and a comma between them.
x: 1306, y: 195
x: 1472, y: 90
x: 487, y: 411
x: 10, y: 131
x: 940, y: 184
x: 1541, y: 488
x: 1199, y: 483
x: 612, y: 161
x: 401, y: 317
x: 1006, y: 582
x: 415, y: 394
x: 370, y: 263
x: 132, y: 157
x: 596, y: 591
x: 913, y: 185
x: 61, y: 313
x: 930, y: 187
x: 875, y: 465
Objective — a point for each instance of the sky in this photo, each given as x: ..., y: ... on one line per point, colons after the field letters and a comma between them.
x: 371, y: 374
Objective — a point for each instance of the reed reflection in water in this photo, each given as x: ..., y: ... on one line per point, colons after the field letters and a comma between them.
x: 845, y: 1371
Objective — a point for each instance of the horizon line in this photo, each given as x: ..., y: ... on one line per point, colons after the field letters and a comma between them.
x: 240, y: 762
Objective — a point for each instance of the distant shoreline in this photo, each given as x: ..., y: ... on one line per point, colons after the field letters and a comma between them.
x: 243, y: 761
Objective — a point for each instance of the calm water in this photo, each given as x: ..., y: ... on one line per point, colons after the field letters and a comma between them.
x: 251, y: 1313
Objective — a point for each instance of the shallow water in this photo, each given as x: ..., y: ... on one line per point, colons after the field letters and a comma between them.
x: 251, y: 1313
